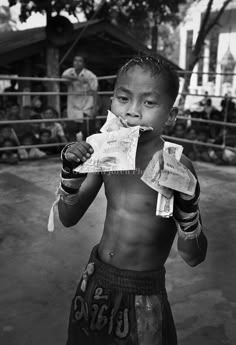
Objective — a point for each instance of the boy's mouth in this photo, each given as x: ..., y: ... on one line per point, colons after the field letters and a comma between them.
x: 127, y: 123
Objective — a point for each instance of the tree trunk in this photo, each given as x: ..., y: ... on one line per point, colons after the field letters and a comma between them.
x: 187, y: 77
x: 52, y: 58
x: 53, y: 72
x: 25, y: 85
x: 154, y: 35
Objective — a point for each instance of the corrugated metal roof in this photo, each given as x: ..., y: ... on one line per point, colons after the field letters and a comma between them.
x: 12, y: 40
x: 16, y: 45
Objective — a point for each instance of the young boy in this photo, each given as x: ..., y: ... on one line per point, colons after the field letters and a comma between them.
x: 121, y: 298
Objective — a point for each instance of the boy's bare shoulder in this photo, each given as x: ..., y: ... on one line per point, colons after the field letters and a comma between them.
x: 187, y: 162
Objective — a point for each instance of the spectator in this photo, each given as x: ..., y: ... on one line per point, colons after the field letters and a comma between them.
x: 3, y: 114
x: 11, y: 99
x: 45, y: 138
x: 202, y: 151
x: 190, y: 148
x: 205, y: 99
x: 208, y: 109
x: 39, y: 101
x: 227, y: 103
x: 7, y: 132
x: 57, y: 132
x: 82, y: 105
x: 27, y: 111
x: 179, y: 130
x: 37, y: 105
x: 188, y: 116
x: 14, y: 113
x: 36, y: 126
x: 30, y: 153
x: 9, y: 156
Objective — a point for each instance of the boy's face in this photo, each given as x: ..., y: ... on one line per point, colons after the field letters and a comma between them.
x: 141, y: 99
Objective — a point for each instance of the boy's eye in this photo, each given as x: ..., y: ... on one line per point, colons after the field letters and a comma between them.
x: 150, y: 103
x: 122, y: 99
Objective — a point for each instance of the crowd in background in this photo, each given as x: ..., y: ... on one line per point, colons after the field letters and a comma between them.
x: 60, y: 132
x: 209, y: 133
x: 36, y: 133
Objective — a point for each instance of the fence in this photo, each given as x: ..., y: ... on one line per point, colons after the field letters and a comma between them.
x: 224, y: 123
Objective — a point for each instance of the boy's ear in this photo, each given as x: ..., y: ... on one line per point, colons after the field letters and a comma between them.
x: 172, y: 116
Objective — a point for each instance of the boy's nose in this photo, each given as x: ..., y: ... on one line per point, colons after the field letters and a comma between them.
x: 134, y: 110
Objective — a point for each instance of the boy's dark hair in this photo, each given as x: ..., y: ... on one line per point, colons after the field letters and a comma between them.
x: 157, y: 67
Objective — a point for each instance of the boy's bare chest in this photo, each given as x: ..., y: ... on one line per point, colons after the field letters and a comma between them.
x: 127, y: 190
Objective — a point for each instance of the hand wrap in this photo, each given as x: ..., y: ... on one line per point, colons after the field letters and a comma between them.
x: 69, y: 185
x: 186, y: 214
x: 70, y: 179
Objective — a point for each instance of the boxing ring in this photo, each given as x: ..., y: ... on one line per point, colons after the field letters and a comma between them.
x: 39, y: 270
x: 223, y: 123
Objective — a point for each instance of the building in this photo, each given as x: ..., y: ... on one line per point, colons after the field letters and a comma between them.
x: 218, y: 55
x: 29, y: 53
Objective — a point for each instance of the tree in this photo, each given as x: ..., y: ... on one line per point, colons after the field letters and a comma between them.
x: 141, y: 17
x: 144, y: 16
x: 49, y: 6
x: 6, y: 21
x: 208, y: 22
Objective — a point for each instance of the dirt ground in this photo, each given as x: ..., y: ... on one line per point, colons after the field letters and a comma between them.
x: 39, y: 270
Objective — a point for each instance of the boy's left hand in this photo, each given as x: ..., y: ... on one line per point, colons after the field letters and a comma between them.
x: 177, y: 176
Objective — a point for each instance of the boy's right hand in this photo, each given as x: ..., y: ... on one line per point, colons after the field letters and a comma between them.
x: 77, y: 153
x: 72, y: 155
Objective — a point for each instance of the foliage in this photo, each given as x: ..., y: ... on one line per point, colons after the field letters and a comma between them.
x: 50, y: 6
x: 6, y: 22
x: 208, y: 23
x: 140, y: 17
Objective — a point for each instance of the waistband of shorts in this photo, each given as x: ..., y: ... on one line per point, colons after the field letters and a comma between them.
x: 137, y: 282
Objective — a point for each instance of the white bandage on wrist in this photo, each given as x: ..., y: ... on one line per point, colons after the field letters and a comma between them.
x: 67, y: 198
x: 73, y: 183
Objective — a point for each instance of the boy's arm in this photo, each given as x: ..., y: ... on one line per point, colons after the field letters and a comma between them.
x: 77, y: 191
x: 192, y: 242
x: 71, y: 214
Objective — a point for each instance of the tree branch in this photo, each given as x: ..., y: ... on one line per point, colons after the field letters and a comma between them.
x: 217, y: 17
x: 201, y: 35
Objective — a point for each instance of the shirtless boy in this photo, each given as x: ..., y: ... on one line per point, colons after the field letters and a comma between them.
x: 121, y: 298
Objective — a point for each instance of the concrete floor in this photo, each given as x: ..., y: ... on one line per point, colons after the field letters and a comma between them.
x: 39, y: 270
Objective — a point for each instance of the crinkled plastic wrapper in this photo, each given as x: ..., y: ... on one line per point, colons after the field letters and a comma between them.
x: 113, y: 123
x: 113, y: 151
